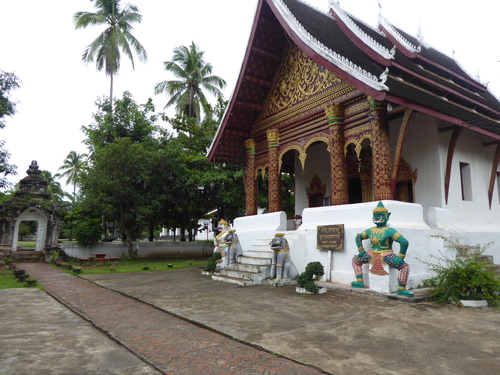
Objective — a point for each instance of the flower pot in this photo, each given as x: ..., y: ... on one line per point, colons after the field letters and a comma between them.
x: 304, y: 291
x: 469, y: 303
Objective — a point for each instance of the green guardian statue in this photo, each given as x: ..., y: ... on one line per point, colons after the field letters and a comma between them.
x: 381, y: 237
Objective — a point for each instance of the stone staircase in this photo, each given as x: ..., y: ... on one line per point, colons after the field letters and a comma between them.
x: 253, y: 267
x: 28, y: 255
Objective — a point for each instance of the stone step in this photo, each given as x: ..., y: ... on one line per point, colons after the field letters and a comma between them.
x: 232, y: 280
x: 258, y: 261
x: 28, y: 255
x: 245, y: 275
x: 258, y: 254
x: 248, y: 267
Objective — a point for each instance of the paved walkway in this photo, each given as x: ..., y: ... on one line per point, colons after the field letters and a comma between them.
x: 180, y: 322
x: 168, y: 343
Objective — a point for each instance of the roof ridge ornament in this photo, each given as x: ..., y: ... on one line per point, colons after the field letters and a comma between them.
x: 338, y: 60
x: 401, y: 39
x: 367, y: 39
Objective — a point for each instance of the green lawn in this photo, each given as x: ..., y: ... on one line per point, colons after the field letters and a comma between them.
x: 8, y: 281
x: 126, y: 265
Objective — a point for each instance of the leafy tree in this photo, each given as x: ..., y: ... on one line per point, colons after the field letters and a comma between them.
x: 72, y: 167
x: 194, y: 75
x: 125, y: 166
x: 201, y: 186
x: 106, y: 49
x: 8, y: 83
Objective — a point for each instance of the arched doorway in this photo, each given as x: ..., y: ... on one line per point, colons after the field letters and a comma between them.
x: 359, y: 172
x: 32, y: 214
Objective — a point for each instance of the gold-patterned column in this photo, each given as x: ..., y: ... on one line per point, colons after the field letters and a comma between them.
x: 381, y: 150
x: 274, y: 171
x: 338, y: 168
x: 250, y: 180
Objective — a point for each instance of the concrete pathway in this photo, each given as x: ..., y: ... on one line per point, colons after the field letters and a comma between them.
x: 169, y: 344
x: 181, y: 322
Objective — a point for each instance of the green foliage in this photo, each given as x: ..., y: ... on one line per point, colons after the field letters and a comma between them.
x: 193, y: 78
x: 28, y: 227
x: 8, y: 82
x: 116, y: 39
x: 212, y: 262
x: 88, y: 232
x: 307, y: 279
x: 463, y: 278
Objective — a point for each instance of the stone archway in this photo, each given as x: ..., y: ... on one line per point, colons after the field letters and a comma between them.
x: 32, y: 214
x: 31, y: 203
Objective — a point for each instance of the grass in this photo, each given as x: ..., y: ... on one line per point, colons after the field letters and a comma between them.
x: 138, y: 265
x: 27, y: 244
x: 8, y: 280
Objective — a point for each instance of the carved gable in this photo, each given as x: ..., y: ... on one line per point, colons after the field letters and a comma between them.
x: 298, y: 79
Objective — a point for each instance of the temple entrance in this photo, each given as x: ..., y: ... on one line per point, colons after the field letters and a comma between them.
x: 316, y: 192
x: 354, y: 190
x: 359, y: 172
x: 405, y: 183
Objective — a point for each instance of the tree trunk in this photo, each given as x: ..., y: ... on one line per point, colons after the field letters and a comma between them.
x: 111, y: 94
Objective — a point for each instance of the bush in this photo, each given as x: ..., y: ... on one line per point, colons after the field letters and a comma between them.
x: 307, y: 279
x: 466, y: 278
x: 212, y: 262
x: 88, y: 232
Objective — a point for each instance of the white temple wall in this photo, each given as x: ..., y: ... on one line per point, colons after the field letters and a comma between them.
x: 473, y: 212
x: 421, y: 150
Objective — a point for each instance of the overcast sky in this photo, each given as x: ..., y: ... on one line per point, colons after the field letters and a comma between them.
x: 58, y: 91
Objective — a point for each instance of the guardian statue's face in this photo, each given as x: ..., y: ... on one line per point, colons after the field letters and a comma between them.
x: 380, y: 219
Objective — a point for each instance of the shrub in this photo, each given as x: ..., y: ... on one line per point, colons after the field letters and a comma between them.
x: 466, y: 278
x: 212, y: 262
x: 307, y: 279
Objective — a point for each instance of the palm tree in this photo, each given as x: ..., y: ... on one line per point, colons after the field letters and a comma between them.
x: 53, y: 187
x: 105, y: 49
x: 194, y: 75
x: 73, y: 166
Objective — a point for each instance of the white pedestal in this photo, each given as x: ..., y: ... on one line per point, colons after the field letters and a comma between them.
x: 387, y: 284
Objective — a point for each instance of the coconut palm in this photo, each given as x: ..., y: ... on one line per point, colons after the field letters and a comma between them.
x: 53, y: 187
x: 106, y: 49
x: 73, y: 166
x: 194, y: 75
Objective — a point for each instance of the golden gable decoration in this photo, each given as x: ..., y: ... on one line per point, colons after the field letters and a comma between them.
x: 298, y: 78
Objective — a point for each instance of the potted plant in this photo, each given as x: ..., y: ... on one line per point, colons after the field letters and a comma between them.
x: 77, y: 269
x: 465, y: 280
x: 21, y: 275
x: 306, y: 281
x: 31, y: 281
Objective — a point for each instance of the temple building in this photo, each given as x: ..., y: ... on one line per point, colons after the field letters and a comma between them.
x: 356, y: 115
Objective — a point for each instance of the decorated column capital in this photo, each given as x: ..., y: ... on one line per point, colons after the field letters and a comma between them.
x: 375, y: 105
x: 273, y: 137
x: 250, y: 146
x: 335, y: 114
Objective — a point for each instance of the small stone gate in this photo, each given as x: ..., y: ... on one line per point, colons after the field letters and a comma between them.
x: 31, y: 202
